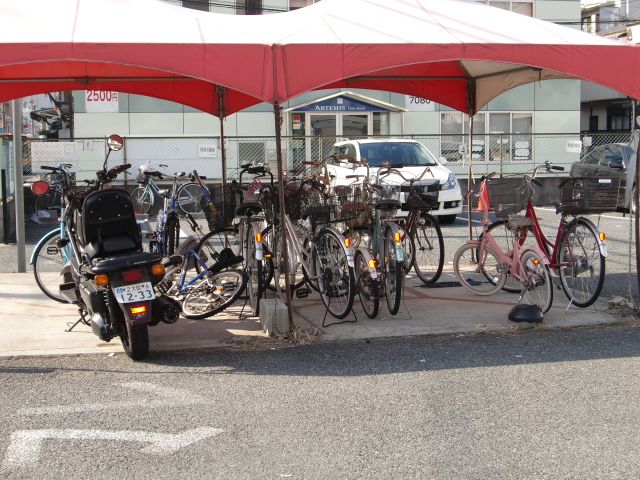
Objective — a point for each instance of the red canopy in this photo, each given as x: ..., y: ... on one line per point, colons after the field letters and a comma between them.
x: 135, y: 46
x: 457, y: 52
x: 445, y: 50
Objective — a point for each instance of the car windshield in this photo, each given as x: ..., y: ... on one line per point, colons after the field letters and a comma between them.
x: 407, y: 154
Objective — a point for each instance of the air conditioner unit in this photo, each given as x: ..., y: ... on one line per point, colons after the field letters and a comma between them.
x: 633, y: 34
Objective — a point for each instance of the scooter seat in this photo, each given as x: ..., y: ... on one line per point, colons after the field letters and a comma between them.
x: 125, y: 260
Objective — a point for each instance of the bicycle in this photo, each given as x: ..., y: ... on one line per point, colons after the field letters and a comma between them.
x: 210, y: 291
x: 481, y: 266
x: 188, y: 195
x: 578, y: 253
x: 52, y: 199
x: 421, y: 233
x: 166, y: 237
x: 379, y: 244
x: 53, y: 251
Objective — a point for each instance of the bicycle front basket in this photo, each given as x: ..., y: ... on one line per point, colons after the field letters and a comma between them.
x: 584, y: 195
x: 421, y: 195
x: 222, y: 212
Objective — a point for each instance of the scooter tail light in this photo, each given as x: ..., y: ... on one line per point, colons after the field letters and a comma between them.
x: 158, y: 269
x: 101, y: 280
x: 140, y: 309
x: 132, y: 275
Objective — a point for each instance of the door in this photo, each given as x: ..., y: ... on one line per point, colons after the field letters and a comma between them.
x: 324, y: 126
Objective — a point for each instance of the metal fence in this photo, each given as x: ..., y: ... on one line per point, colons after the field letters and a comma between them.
x: 507, y: 154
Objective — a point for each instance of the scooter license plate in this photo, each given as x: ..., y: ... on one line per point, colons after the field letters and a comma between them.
x: 134, y: 293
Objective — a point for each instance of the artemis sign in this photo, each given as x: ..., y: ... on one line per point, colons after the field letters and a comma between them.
x: 100, y: 101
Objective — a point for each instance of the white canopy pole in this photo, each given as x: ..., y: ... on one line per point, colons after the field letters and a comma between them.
x: 18, y: 184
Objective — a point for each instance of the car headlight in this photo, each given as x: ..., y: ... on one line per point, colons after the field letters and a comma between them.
x: 452, y: 182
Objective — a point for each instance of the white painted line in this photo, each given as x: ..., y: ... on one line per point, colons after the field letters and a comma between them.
x: 171, y: 397
x: 25, y: 445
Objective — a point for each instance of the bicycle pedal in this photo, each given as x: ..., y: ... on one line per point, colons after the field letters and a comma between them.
x: 302, y: 292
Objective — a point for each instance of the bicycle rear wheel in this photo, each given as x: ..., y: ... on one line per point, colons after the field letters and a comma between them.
x: 212, y: 294
x: 336, y: 278
x: 482, y: 277
x: 52, y: 200
x: 582, y: 279
x: 189, y: 197
x: 368, y: 288
x: 538, y: 287
x: 428, y: 249
x: 47, y: 266
x: 142, y: 199
x: 392, y: 272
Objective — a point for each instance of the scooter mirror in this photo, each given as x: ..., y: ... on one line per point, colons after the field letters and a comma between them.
x: 115, y: 142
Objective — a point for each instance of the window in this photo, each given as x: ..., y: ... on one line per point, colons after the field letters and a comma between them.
x: 523, y: 8
x: 248, y: 7
x: 611, y: 157
x: 196, y: 4
x: 497, y: 136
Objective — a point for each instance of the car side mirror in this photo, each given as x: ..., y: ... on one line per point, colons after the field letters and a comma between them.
x: 443, y: 161
x: 615, y: 164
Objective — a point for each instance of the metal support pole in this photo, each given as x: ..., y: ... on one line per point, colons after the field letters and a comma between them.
x: 18, y: 184
x: 634, y: 129
x: 221, y: 91
x: 470, y: 176
x: 283, y: 240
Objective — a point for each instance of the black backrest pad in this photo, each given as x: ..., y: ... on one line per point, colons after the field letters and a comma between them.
x: 108, y: 213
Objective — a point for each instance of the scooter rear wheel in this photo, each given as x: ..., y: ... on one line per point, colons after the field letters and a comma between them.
x: 135, y: 341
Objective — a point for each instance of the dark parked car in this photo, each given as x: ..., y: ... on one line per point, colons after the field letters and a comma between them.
x: 610, y: 161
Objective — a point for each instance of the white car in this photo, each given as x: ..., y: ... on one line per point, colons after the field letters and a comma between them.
x: 410, y: 157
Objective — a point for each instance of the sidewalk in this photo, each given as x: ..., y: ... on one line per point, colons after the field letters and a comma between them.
x: 34, y: 325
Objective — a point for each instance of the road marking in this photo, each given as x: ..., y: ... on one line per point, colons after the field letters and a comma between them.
x: 170, y: 397
x: 25, y: 445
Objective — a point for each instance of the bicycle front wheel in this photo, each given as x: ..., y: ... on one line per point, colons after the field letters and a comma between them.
x: 368, y: 288
x: 142, y: 199
x: 336, y: 279
x: 212, y: 294
x: 47, y: 265
x: 210, y: 246
x: 505, y: 238
x: 582, y: 275
x: 392, y: 272
x: 538, y: 286
x: 428, y: 249
x: 481, y: 276
x: 253, y: 268
x: 189, y: 197
x: 172, y: 236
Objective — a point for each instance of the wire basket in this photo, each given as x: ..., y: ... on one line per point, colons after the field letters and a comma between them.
x: 507, y: 199
x: 422, y: 195
x: 583, y: 195
x: 222, y: 210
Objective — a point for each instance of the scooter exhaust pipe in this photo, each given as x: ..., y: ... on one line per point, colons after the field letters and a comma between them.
x: 165, y: 310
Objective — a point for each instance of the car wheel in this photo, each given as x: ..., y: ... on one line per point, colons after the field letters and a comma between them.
x: 447, y: 219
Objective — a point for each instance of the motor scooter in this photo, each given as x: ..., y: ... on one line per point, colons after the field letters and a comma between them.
x: 108, y: 276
